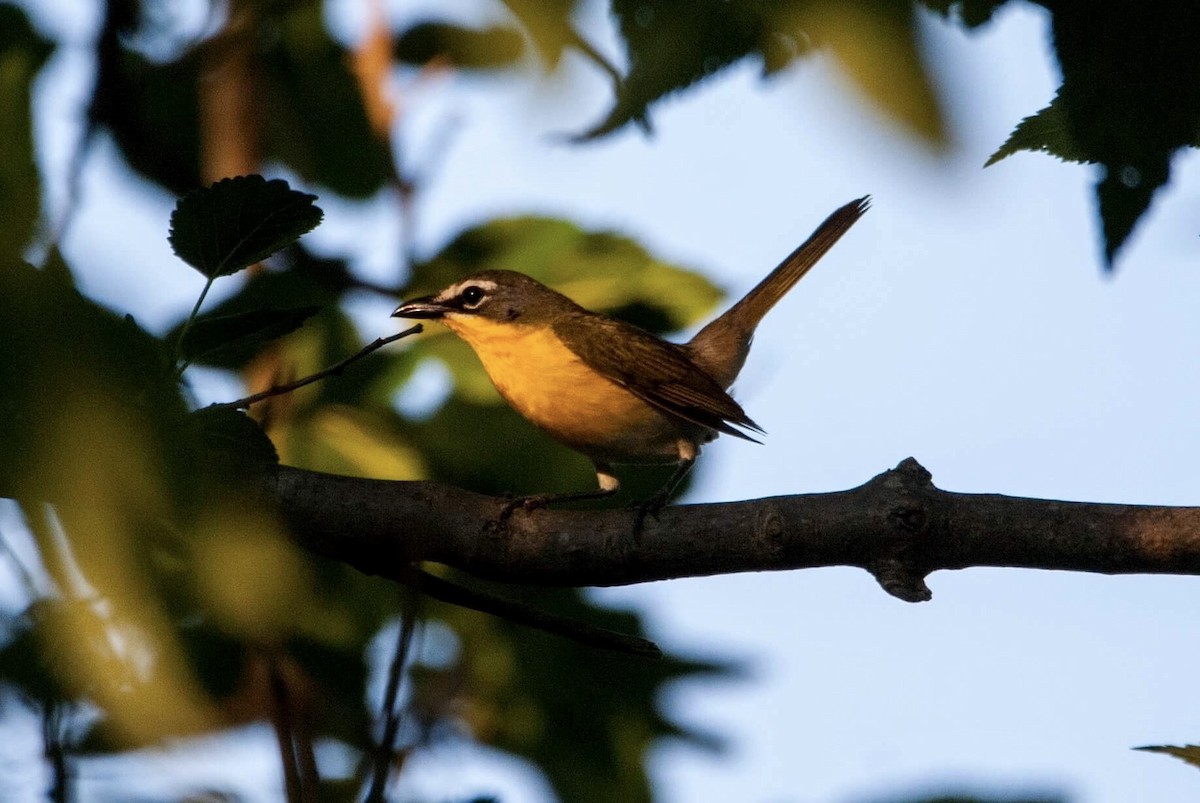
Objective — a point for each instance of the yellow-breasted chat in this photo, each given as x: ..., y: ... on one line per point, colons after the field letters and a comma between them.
x: 605, y: 388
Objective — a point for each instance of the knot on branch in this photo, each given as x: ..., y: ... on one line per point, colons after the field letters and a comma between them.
x: 901, y: 579
x: 907, y: 493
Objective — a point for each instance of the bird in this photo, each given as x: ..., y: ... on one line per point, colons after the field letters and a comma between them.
x: 608, y: 389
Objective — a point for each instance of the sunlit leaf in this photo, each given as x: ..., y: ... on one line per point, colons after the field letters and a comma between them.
x: 548, y: 23
x: 236, y: 222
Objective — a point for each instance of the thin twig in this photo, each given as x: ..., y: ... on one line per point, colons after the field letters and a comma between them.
x: 384, y: 752
x: 337, y: 368
x: 281, y: 720
x: 522, y: 614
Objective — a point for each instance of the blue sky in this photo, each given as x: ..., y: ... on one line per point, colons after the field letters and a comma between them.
x: 964, y: 321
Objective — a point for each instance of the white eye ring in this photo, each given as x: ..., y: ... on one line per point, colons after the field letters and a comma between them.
x: 472, y: 296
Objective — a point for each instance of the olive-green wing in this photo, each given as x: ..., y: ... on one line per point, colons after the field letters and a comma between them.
x: 657, y: 372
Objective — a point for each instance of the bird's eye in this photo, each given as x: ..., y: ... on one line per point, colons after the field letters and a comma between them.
x: 472, y: 296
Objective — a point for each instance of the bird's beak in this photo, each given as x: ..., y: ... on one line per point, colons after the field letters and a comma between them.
x: 423, y: 307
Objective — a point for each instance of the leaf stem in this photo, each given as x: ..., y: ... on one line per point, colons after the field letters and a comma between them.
x: 187, y: 325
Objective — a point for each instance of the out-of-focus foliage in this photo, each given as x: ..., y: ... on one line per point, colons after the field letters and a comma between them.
x: 952, y: 798
x: 22, y: 54
x: 164, y: 594
x: 167, y: 599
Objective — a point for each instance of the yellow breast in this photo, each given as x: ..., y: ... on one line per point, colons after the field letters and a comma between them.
x: 552, y: 387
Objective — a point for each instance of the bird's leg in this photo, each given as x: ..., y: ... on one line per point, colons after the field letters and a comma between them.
x: 607, y: 480
x: 650, y: 506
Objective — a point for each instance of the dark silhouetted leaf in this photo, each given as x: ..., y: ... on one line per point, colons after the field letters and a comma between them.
x: 227, y: 340
x: 1130, y: 97
x: 236, y: 222
x: 233, y: 440
x: 1045, y: 132
x: 470, y: 48
x: 971, y: 13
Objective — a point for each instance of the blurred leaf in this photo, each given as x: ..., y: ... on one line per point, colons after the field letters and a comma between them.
x: 971, y: 13
x: 228, y: 340
x: 24, y: 662
x: 548, y: 23
x: 22, y: 54
x: 878, y: 45
x: 364, y: 445
x: 253, y: 580
x: 235, y: 445
x: 104, y: 363
x: 675, y: 44
x: 467, y: 48
x: 518, y: 701
x: 150, y: 109
x: 236, y: 222
x: 950, y: 797
x: 317, y: 123
x: 1189, y: 753
x: 599, y: 270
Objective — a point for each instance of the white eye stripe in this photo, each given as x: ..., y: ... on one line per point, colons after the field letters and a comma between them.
x: 454, y: 290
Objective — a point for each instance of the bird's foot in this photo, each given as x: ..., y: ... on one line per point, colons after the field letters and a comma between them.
x: 531, y: 502
x: 647, y: 507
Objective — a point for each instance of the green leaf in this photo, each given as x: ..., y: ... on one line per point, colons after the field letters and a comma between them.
x: 1189, y: 753
x: 470, y: 48
x: 602, y: 271
x: 227, y: 340
x: 236, y: 222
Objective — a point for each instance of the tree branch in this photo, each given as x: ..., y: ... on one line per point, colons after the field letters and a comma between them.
x: 898, y: 526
